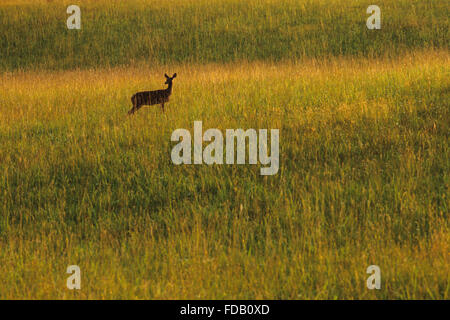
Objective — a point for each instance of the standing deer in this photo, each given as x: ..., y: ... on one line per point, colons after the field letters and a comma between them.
x: 148, y: 98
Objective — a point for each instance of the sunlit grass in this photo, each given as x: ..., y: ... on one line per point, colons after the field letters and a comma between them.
x: 363, y: 180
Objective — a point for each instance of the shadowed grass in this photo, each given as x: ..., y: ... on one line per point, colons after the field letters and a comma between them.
x: 363, y: 180
x: 34, y: 33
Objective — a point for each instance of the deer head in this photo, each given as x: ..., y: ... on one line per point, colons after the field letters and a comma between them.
x: 169, y: 79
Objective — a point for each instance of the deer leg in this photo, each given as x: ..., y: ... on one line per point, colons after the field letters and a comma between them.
x: 162, y: 106
x: 133, y: 101
x: 134, y: 109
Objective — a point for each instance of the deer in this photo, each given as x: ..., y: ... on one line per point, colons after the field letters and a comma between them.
x: 149, y: 98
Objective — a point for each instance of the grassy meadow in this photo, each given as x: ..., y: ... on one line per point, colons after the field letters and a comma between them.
x: 364, y: 150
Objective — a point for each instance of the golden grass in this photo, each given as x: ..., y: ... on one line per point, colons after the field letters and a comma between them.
x: 363, y: 180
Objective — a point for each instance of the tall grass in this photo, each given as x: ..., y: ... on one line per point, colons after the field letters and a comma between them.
x: 33, y: 34
x: 363, y: 180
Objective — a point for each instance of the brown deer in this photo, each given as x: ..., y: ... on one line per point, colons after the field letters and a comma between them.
x: 148, y: 98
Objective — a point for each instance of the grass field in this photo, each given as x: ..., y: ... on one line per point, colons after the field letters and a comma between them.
x: 201, y: 31
x: 364, y: 150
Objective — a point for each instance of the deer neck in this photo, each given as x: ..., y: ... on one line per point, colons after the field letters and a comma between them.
x: 169, y: 88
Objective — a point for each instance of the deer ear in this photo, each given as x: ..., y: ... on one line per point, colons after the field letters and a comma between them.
x: 165, y: 75
x: 174, y: 75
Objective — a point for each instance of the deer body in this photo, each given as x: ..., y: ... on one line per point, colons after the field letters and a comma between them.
x: 148, y: 98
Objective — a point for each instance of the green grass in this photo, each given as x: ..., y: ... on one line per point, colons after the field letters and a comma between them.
x: 34, y: 34
x: 364, y: 150
x: 363, y: 180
